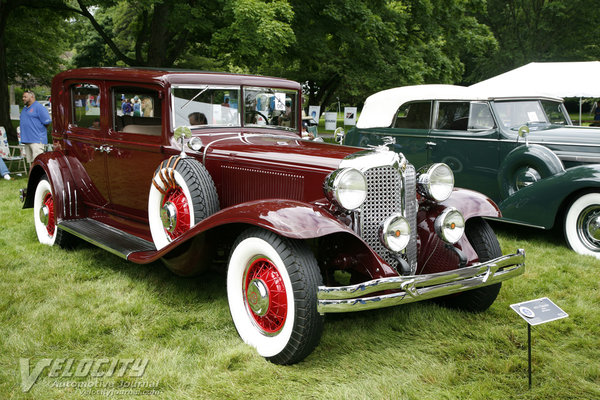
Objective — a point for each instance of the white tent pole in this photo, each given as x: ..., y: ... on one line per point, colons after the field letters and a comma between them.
x: 580, y: 111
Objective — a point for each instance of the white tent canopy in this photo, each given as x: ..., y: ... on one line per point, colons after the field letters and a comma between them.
x: 558, y: 79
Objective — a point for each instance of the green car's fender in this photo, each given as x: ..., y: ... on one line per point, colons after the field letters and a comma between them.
x: 539, y: 203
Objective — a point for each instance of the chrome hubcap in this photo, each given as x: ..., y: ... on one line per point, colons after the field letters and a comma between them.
x: 588, y: 227
x: 44, y: 212
x: 526, y: 177
x: 258, y: 297
x: 168, y: 216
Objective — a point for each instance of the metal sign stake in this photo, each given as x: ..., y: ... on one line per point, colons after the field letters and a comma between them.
x: 536, y: 312
x: 529, y: 352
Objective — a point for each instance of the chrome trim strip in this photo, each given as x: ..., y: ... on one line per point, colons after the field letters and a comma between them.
x: 418, y: 287
x: 511, y: 221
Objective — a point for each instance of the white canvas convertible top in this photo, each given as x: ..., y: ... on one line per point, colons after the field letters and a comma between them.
x: 380, y: 108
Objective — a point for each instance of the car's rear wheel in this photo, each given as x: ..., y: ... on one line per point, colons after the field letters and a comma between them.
x: 582, y: 225
x: 484, y: 242
x: 181, y: 195
x: 44, y: 216
x: 272, y: 292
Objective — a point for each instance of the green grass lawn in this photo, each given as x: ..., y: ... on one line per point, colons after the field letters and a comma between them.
x: 85, y: 303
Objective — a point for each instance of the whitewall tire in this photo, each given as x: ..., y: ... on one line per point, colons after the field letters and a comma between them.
x: 582, y: 225
x: 44, y: 217
x: 272, y: 293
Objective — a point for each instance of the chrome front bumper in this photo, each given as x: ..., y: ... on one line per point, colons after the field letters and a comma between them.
x: 418, y: 287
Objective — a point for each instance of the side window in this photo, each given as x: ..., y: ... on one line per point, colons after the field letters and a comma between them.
x: 205, y: 106
x: 554, y: 111
x: 453, y: 115
x: 413, y: 115
x: 480, y: 117
x: 85, y: 106
x: 136, y: 110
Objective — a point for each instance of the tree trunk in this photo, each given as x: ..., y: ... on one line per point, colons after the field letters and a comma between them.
x: 4, y: 103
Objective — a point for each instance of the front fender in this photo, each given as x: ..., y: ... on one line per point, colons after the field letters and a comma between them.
x: 289, y: 218
x: 539, y: 203
x: 472, y: 204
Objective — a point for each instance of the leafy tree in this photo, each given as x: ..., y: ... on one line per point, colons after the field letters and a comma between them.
x: 540, y: 30
x: 351, y: 48
x: 25, y: 28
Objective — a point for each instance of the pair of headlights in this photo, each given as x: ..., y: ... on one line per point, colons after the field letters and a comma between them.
x: 347, y: 188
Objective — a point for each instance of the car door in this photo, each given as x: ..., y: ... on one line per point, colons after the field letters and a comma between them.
x: 465, y: 136
x: 133, y: 146
x: 86, y: 132
x: 410, y: 131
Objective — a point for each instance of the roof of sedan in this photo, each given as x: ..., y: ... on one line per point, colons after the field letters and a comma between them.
x: 380, y: 108
x: 174, y: 76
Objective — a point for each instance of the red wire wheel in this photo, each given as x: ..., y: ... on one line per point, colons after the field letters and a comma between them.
x: 265, y: 295
x: 175, y: 213
x: 49, y: 206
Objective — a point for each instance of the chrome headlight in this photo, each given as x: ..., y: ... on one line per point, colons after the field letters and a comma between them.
x: 346, y: 187
x: 394, y: 232
x: 450, y: 225
x: 435, y: 181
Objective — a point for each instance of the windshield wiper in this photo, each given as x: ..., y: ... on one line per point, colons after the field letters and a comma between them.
x: 194, y: 98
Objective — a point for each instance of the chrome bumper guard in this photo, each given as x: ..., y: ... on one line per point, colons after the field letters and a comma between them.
x: 418, y: 287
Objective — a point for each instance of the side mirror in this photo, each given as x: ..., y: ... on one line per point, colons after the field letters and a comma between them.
x: 181, y: 133
x: 523, y: 132
x: 339, y: 135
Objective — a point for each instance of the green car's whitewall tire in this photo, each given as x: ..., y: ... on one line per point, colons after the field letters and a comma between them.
x: 582, y: 225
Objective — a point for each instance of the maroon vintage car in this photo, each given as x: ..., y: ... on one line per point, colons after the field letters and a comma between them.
x: 189, y: 166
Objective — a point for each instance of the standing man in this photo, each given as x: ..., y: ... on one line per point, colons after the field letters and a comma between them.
x: 34, y: 119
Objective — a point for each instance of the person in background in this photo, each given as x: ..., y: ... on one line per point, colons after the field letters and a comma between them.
x: 34, y: 120
x: 137, y: 107
x: 4, y: 172
x: 95, y: 124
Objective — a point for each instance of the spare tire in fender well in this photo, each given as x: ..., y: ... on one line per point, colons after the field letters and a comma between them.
x: 535, y: 156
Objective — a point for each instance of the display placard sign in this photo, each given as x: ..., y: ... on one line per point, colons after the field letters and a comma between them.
x: 539, y: 311
x: 350, y: 116
x: 330, y: 121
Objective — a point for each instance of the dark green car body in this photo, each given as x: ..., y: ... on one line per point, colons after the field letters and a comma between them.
x: 533, y: 177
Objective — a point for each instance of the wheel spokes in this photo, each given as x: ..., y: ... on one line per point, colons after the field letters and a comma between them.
x: 266, y: 296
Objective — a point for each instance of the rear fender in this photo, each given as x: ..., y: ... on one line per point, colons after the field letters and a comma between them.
x: 70, y: 184
x: 539, y: 203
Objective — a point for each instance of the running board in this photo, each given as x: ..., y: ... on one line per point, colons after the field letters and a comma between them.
x: 105, y: 236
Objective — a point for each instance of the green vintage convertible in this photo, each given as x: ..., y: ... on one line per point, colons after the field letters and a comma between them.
x: 522, y: 151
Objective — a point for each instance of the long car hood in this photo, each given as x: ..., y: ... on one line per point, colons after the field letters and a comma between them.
x: 576, y: 144
x: 252, y: 166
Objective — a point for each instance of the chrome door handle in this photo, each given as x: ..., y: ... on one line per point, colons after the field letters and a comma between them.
x: 430, y: 145
x: 104, y: 148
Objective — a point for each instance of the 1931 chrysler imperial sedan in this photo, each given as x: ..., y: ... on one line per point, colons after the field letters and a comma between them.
x: 210, y: 162
x: 519, y: 149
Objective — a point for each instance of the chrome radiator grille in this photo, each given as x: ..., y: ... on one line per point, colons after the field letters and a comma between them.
x: 385, y: 197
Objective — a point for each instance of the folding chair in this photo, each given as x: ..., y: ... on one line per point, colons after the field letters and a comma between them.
x: 12, y: 154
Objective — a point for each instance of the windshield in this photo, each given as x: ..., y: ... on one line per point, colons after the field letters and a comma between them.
x: 271, y: 108
x: 205, y: 105
x: 514, y: 114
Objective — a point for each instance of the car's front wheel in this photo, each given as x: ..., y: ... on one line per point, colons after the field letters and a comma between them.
x: 485, y: 243
x: 272, y: 292
x: 582, y: 225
